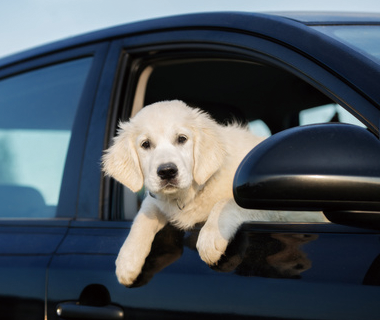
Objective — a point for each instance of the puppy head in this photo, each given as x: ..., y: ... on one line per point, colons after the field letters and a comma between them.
x: 167, y: 146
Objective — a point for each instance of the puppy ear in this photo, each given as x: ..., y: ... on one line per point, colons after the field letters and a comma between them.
x: 209, y: 152
x: 121, y: 161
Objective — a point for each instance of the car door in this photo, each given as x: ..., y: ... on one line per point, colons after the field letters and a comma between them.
x: 271, y: 270
x: 40, y: 152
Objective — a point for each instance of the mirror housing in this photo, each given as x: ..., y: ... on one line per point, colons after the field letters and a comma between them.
x: 325, y: 167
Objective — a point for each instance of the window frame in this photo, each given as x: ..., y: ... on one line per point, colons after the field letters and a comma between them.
x: 143, y: 50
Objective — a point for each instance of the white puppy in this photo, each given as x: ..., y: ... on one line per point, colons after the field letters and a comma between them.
x: 187, y: 163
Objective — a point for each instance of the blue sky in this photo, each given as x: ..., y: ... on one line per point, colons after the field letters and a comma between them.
x: 29, y: 23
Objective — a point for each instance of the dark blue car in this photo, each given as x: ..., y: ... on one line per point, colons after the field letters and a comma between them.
x: 308, y: 82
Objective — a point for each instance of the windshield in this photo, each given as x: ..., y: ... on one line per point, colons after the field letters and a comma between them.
x: 364, y: 39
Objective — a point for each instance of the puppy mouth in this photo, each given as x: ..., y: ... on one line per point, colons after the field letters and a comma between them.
x: 169, y: 185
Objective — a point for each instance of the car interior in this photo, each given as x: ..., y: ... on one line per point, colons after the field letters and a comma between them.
x: 235, y: 89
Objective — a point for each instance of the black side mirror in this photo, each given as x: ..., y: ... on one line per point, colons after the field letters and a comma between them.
x: 334, y: 168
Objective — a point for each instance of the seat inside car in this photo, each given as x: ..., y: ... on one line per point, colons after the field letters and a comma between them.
x: 23, y: 202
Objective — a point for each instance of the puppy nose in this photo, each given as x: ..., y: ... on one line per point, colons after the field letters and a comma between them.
x: 167, y: 171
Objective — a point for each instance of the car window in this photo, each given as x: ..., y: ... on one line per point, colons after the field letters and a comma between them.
x: 266, y: 98
x: 37, y: 110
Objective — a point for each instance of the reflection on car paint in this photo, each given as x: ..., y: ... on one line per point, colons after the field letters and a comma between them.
x: 265, y: 255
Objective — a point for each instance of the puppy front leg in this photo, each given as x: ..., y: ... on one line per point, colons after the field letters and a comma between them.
x: 215, y: 235
x: 137, y: 246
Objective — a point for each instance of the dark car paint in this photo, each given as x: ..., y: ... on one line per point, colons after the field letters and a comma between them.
x: 44, y: 263
x: 339, y: 264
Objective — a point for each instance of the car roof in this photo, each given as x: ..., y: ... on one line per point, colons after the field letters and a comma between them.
x: 243, y: 21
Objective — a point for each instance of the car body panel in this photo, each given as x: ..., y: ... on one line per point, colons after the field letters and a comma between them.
x: 25, y: 253
x: 298, y: 285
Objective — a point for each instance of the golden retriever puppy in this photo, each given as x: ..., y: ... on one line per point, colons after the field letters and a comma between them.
x: 187, y: 163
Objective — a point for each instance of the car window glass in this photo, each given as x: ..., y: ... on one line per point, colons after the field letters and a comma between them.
x: 37, y: 111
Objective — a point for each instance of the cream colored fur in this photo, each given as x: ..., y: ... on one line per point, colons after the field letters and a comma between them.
x: 202, y: 189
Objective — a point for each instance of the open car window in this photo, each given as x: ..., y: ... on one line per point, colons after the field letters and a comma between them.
x: 265, y: 98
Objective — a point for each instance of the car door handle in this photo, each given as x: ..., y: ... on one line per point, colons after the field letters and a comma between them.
x: 73, y: 310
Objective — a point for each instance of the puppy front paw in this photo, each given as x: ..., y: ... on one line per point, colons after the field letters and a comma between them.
x: 211, y: 245
x: 126, y: 270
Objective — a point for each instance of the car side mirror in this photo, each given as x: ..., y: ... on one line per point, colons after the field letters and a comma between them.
x: 334, y: 168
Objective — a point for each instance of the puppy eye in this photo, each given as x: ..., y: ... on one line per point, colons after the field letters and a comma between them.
x: 181, y: 139
x: 145, y: 144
